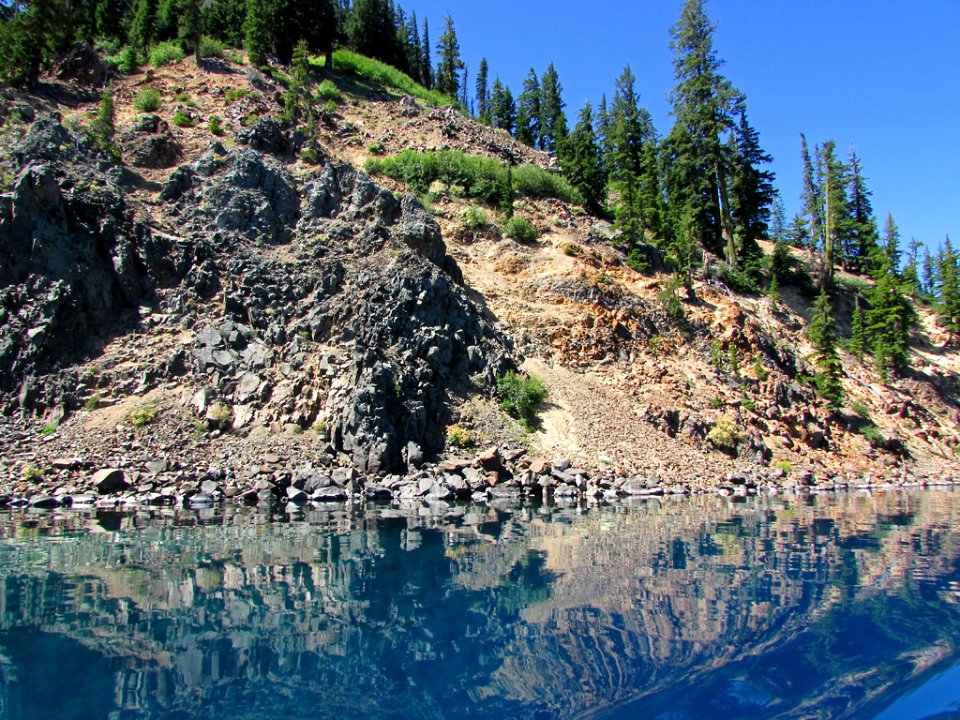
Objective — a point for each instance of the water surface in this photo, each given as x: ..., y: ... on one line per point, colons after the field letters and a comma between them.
x: 813, y: 607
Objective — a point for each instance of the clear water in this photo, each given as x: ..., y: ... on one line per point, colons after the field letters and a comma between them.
x: 818, y: 607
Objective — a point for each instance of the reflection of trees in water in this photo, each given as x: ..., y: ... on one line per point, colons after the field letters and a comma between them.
x: 473, y: 612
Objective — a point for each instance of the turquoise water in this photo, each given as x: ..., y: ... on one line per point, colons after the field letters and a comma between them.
x: 816, y: 607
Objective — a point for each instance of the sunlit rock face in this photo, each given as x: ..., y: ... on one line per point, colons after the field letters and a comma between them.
x: 697, y: 607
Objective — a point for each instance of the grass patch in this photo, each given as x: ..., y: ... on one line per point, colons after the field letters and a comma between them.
x: 520, y: 395
x: 328, y: 91
x: 474, y: 218
x: 375, y: 148
x: 784, y: 465
x: 181, y: 119
x: 31, y: 472
x: 482, y: 178
x: 459, y: 437
x: 234, y: 94
x: 165, y: 53
x: 873, y: 435
x: 148, y: 99
x: 214, y: 126
x: 378, y: 73
x: 143, y: 415
x: 724, y: 435
x: 49, y: 429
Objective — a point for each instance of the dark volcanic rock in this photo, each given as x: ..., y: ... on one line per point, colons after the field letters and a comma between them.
x: 149, y: 143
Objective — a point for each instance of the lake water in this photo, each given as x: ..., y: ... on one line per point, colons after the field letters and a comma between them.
x: 813, y: 607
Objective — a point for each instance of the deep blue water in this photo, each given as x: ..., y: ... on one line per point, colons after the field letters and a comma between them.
x: 672, y: 609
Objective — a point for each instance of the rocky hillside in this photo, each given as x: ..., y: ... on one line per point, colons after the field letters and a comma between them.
x: 244, y: 312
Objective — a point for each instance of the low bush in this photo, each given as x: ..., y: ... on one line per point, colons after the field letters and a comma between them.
x: 182, y: 119
x: 165, y: 53
x: 459, y: 437
x: 873, y: 435
x: 31, y: 472
x: 144, y: 414
x: 214, y: 126
x: 234, y: 94
x: 724, y: 435
x: 148, y: 99
x: 211, y: 47
x: 520, y: 229
x: 520, y: 395
x: 474, y: 218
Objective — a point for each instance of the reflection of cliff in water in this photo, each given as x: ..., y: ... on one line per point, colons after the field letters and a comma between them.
x: 687, y: 608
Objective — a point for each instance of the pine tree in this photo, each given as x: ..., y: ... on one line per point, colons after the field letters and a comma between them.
x: 812, y: 207
x: 189, y: 25
x: 632, y: 165
x: 553, y: 121
x: 32, y: 35
x: 929, y: 274
x: 798, y: 234
x: 528, y: 110
x: 313, y: 21
x: 751, y: 195
x: 372, y: 31
x: 503, y: 110
x: 483, y: 94
x: 948, y: 276
x: 257, y: 31
x: 863, y: 225
x: 891, y: 246
x: 143, y: 26
x: 911, y: 268
x: 580, y: 160
x: 858, y: 332
x: 450, y: 64
x: 822, y: 335
x: 703, y: 105
x: 414, y: 49
x: 833, y: 182
x: 426, y: 62
x: 890, y: 314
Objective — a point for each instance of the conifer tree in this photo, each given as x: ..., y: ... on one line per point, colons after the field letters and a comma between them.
x: 822, y: 335
x: 426, y: 62
x: 553, y: 121
x: 751, y: 195
x: 503, y: 110
x: 189, y: 25
x: 833, y: 182
x: 528, y: 110
x: 863, y: 225
x: 580, y: 160
x: 483, y: 94
x: 858, y: 331
x: 891, y: 245
x: 372, y: 31
x: 143, y: 25
x: 414, y: 49
x: 450, y: 64
x: 890, y: 314
x: 928, y: 274
x: 256, y: 29
x: 948, y: 276
x: 812, y: 208
x: 703, y: 104
x: 798, y: 233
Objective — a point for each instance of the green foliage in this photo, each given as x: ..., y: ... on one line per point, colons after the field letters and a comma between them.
x: 212, y: 48
x: 724, y: 434
x: 520, y: 229
x: 785, y: 465
x: 858, y: 332
x: 49, y: 429
x: 873, y: 435
x: 92, y: 402
x: 459, y: 437
x: 822, y: 336
x: 257, y: 31
x: 483, y: 178
x: 215, y: 127
x: 447, y: 78
x: 861, y: 409
x: 380, y: 74
x: 669, y: 298
x: 474, y: 218
x: 143, y: 415
x: 103, y: 129
x: 310, y: 155
x: 220, y: 417
x: 234, y: 94
x: 759, y: 371
x: 126, y: 61
x: 328, y: 91
x: 148, y: 99
x: 716, y: 402
x: 520, y: 395
x: 182, y: 119
x: 165, y: 53
x: 31, y: 472
x: 637, y: 260
x: 733, y: 359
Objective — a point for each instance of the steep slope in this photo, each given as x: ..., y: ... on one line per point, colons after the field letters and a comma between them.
x: 244, y: 290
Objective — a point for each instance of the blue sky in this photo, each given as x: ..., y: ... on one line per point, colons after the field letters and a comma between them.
x: 881, y: 75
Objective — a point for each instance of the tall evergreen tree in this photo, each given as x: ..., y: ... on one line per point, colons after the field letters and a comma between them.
x: 503, y: 109
x: 414, y: 49
x: 450, y: 64
x: 891, y: 313
x: 822, y: 335
x: 189, y: 25
x: 948, y: 280
x: 528, y: 110
x: 891, y: 245
x: 483, y: 93
x: 372, y: 31
x: 426, y: 62
x: 833, y: 184
x: 812, y: 207
x: 703, y: 104
x: 143, y: 25
x: 858, y: 331
x: 632, y: 165
x: 257, y: 31
x: 580, y: 160
x: 863, y: 225
x: 553, y: 121
x: 751, y: 194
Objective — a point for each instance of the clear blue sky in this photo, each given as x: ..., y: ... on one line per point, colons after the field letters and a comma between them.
x: 882, y: 75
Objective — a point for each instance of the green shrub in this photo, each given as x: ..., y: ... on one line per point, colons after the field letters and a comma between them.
x: 214, y: 126
x: 31, y: 472
x: 148, y: 99
x: 310, y: 155
x: 861, y: 409
x: 234, y: 94
x: 211, y: 47
x: 126, y: 61
x: 637, y: 261
x: 181, y: 119
x: 571, y: 250
x: 784, y: 465
x: 459, y: 437
x: 520, y: 395
x: 92, y: 402
x: 873, y: 434
x: 716, y: 402
x: 375, y: 148
x: 482, y: 178
x: 144, y: 414
x: 474, y: 218
x: 328, y: 91
x: 49, y: 429
x: 670, y: 301
x: 165, y: 53
x: 724, y: 434
x: 378, y: 73
x: 520, y: 229
x: 760, y: 372
x: 220, y: 417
